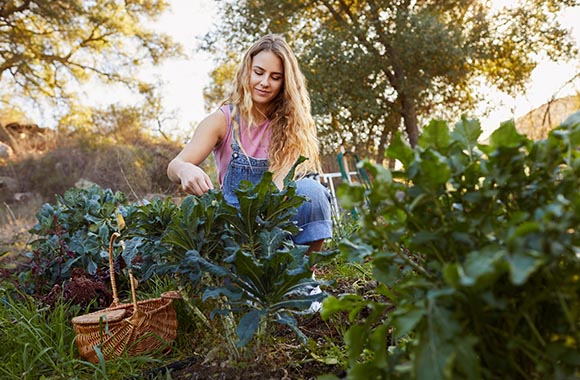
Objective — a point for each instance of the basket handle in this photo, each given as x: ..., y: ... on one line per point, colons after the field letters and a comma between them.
x: 116, y: 301
x: 133, y: 292
x: 112, y: 269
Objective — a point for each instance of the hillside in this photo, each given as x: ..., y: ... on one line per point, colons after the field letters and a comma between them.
x: 42, y: 163
x: 537, y: 123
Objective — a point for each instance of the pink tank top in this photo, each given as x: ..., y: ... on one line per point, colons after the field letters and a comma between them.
x: 255, y: 142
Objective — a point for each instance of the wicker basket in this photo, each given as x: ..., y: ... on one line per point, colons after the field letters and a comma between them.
x: 131, y: 328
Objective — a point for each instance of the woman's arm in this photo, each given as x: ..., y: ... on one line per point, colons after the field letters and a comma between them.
x: 184, y: 168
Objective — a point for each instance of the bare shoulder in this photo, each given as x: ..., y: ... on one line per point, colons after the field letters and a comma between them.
x: 214, y: 124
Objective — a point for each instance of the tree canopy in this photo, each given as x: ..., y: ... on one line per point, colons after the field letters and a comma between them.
x: 379, y: 65
x: 47, y: 47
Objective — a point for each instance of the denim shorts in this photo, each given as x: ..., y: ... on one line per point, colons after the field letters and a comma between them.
x: 313, y: 215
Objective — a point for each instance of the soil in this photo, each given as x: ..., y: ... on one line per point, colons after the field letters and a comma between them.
x: 195, y: 369
x: 13, y: 245
x: 288, y: 360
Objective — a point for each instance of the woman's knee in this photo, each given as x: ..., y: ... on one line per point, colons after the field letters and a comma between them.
x: 317, y: 203
x: 312, y: 189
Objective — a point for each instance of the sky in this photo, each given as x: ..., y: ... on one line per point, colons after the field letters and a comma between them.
x: 184, y: 79
x: 187, y: 21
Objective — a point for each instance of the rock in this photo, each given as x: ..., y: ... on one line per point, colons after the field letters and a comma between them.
x: 5, y: 151
x: 24, y: 130
x: 22, y: 197
x: 84, y: 184
x: 27, y: 137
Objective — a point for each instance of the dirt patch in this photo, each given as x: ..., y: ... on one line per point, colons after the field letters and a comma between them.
x: 195, y: 369
x: 287, y: 359
x: 14, y: 240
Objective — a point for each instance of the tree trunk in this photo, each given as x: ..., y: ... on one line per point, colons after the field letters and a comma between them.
x: 380, y: 158
x: 392, y: 67
x: 410, y: 119
x: 391, y: 126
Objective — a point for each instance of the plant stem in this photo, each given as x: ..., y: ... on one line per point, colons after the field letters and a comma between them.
x: 229, y: 327
x: 534, y: 329
x: 401, y: 253
x: 192, y: 307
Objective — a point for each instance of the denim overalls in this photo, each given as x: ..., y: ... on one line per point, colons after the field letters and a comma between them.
x: 239, y: 168
x: 313, y: 216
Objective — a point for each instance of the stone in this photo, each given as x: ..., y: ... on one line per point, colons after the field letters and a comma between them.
x: 22, y: 197
x: 5, y: 151
x: 84, y: 184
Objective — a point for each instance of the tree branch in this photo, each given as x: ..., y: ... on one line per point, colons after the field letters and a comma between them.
x: 6, y: 11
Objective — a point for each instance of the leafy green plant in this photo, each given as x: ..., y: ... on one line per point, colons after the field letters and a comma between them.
x: 249, y: 254
x: 198, y: 227
x: 72, y: 233
x: 265, y: 286
x: 160, y: 235
x: 477, y: 246
x: 146, y: 225
x: 268, y: 276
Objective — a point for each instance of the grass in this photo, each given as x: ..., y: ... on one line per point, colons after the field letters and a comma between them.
x: 38, y: 342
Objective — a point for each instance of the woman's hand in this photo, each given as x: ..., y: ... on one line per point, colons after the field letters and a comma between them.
x: 183, y: 169
x: 193, y: 179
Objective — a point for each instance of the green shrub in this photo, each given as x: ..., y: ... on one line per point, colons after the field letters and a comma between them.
x: 71, y: 233
x: 477, y: 247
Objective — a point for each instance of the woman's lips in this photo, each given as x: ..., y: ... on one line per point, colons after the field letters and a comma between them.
x: 262, y: 92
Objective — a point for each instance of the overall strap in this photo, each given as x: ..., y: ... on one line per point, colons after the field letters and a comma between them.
x: 235, y: 142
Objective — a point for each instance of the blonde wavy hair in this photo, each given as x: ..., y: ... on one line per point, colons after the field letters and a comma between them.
x: 293, y: 130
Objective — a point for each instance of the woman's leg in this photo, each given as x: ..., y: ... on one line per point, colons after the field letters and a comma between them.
x: 313, y: 216
x: 315, y: 246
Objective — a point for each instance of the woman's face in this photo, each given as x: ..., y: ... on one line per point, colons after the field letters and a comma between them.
x: 266, y: 78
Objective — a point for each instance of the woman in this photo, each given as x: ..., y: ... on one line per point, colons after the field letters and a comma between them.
x: 265, y: 124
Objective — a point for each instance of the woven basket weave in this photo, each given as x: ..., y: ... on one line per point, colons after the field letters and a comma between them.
x: 132, y: 328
